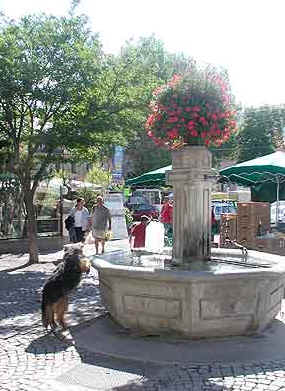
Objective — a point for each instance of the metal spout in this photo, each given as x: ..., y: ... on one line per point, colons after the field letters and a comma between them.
x: 240, y: 246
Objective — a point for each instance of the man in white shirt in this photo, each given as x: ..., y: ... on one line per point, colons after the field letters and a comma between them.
x: 81, y: 220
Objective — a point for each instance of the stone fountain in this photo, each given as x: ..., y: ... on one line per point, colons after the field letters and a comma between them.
x: 204, y: 295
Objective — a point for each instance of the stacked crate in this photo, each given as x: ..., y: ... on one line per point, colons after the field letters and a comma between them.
x: 249, y: 216
x: 228, y: 229
x: 270, y: 245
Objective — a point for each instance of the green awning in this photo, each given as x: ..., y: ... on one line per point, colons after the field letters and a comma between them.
x: 265, y: 176
x: 151, y: 178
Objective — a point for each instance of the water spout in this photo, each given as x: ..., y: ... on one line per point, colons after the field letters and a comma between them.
x: 240, y: 246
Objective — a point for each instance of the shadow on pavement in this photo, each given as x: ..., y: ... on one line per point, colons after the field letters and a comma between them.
x: 98, y: 371
x: 106, y: 337
x: 12, y: 269
x: 20, y: 299
x: 45, y: 344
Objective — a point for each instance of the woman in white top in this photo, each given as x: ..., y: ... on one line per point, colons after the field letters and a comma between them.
x: 81, y: 220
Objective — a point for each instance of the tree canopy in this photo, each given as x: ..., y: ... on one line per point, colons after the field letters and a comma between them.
x: 62, y: 97
x: 260, y: 131
x: 58, y: 91
x: 47, y: 64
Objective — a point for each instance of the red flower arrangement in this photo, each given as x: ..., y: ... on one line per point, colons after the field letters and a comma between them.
x: 194, y: 109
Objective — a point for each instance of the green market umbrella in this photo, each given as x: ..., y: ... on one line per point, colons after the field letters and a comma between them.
x: 265, y: 176
x: 151, y: 178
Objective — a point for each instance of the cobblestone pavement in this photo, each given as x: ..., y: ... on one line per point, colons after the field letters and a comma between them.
x: 31, y: 359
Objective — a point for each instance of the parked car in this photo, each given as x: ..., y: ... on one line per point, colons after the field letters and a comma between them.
x: 135, y: 201
x: 144, y: 209
x: 281, y: 213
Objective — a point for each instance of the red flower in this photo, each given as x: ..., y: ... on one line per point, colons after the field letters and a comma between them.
x: 150, y: 119
x: 173, y: 133
x: 204, y: 111
x: 203, y: 121
x: 190, y: 124
x: 194, y: 133
x: 158, y: 90
x: 172, y: 119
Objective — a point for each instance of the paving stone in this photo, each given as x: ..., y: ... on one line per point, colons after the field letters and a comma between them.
x: 32, y: 360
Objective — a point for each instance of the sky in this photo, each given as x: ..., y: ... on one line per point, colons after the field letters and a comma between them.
x: 244, y: 36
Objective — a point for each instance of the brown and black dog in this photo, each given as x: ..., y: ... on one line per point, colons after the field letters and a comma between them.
x: 64, y: 279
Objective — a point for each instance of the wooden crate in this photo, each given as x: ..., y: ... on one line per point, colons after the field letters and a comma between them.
x: 271, y: 245
x: 250, y: 214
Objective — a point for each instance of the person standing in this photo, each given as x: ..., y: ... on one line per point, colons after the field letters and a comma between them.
x: 166, y: 216
x: 100, y: 223
x: 137, y: 236
x: 81, y: 220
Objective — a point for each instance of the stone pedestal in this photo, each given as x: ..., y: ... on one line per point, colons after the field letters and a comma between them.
x: 115, y: 203
x: 190, y: 178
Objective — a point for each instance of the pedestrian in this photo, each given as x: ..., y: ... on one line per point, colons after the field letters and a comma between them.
x: 81, y: 221
x: 100, y: 223
x: 166, y: 216
x: 137, y: 236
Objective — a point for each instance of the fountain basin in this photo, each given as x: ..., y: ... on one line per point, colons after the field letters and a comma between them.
x: 196, y: 303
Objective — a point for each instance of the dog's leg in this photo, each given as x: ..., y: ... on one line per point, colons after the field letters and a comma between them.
x: 65, y: 309
x: 61, y: 308
x: 53, y: 315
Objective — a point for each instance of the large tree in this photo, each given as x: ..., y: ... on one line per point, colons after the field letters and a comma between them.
x: 114, y: 110
x: 60, y: 96
x: 260, y: 131
x: 47, y: 65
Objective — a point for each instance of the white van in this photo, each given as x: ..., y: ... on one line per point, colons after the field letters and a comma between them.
x: 281, y: 213
x: 153, y: 196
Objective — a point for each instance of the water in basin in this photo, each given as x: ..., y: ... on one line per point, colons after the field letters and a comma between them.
x: 164, y: 262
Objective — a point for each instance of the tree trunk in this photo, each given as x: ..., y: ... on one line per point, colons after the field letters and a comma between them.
x: 31, y: 227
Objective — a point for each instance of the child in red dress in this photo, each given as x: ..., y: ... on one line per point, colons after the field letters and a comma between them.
x: 138, y: 233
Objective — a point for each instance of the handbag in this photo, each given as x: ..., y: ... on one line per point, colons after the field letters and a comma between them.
x: 69, y: 222
x: 108, y: 235
x: 89, y: 238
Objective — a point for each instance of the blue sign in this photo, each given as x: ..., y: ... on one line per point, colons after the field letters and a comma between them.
x: 118, y: 159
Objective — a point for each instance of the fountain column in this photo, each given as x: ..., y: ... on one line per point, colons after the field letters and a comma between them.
x: 190, y: 178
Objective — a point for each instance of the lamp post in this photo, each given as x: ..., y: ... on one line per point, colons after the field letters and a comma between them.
x: 63, y: 190
x: 278, y: 178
